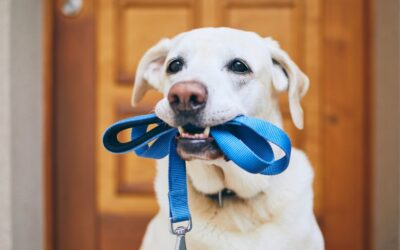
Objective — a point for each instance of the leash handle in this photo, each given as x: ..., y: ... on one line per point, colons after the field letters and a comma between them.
x: 140, y: 136
x: 164, y: 143
x: 110, y: 136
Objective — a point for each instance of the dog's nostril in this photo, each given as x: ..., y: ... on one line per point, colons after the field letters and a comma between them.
x: 196, y: 100
x: 174, y: 99
x: 193, y: 99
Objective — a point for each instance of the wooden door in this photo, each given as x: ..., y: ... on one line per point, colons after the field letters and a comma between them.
x: 324, y: 37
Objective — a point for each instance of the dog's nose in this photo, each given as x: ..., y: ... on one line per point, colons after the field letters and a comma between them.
x: 187, y: 97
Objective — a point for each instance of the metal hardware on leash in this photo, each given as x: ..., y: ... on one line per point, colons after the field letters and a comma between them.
x: 180, y: 240
x: 220, y: 199
x: 180, y: 232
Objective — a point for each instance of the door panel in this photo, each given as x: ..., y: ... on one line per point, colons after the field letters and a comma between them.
x: 140, y: 24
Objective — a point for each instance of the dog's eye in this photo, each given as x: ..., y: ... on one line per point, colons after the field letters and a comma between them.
x: 238, y: 66
x: 175, y: 66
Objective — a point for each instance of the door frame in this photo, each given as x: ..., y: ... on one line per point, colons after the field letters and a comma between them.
x: 69, y: 114
x: 66, y: 160
x: 348, y: 26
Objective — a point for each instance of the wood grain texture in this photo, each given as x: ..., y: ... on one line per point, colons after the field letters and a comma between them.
x: 258, y: 3
x: 74, y: 120
x: 344, y: 114
x: 134, y: 19
x: 119, y: 232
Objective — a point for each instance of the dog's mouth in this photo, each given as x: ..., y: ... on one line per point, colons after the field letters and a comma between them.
x: 196, y: 143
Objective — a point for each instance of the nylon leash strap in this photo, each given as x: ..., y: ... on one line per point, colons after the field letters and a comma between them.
x: 243, y: 140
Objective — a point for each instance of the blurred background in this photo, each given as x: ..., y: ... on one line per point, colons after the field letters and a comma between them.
x: 66, y: 73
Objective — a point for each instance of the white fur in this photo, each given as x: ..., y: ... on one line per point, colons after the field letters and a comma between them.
x: 276, y: 212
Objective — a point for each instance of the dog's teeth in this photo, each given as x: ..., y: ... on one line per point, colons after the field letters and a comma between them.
x: 185, y: 134
x: 207, y: 131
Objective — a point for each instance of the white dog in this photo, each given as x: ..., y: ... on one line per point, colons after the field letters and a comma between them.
x: 209, y: 76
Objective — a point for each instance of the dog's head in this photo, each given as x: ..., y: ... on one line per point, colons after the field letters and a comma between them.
x: 211, y: 75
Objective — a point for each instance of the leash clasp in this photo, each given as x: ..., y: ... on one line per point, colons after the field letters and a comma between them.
x: 180, y: 231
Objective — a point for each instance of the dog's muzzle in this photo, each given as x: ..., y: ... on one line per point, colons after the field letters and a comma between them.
x: 188, y: 100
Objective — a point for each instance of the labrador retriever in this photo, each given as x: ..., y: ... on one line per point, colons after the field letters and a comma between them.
x: 209, y: 76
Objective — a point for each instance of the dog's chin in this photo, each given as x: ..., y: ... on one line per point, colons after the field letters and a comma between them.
x: 198, y: 148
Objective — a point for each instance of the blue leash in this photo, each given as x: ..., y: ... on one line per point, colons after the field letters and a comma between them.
x: 243, y: 140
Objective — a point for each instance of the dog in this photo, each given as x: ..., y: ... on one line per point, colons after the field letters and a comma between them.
x: 209, y: 76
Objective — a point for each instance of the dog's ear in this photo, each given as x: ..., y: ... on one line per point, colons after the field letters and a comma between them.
x: 150, y: 70
x: 287, y: 76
